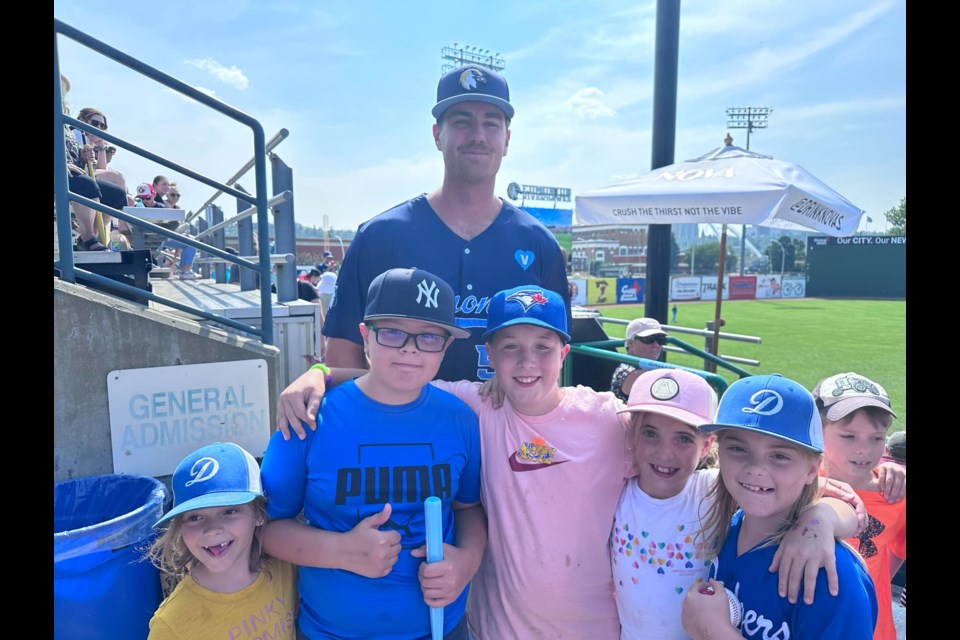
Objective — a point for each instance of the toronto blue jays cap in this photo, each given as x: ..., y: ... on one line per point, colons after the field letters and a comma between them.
x: 472, y: 83
x: 413, y: 294
x: 774, y: 406
x: 528, y: 304
x: 218, y: 475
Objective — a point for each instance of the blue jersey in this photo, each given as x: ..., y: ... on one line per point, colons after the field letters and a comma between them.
x: 851, y: 615
x: 363, y: 455
x: 514, y: 250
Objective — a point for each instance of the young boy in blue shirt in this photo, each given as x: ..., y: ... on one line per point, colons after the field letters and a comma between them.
x: 384, y: 442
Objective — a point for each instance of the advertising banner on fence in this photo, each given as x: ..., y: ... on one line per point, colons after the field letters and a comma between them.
x: 794, y: 287
x: 743, y: 287
x: 708, y: 288
x: 768, y: 287
x: 160, y: 414
x: 579, y: 291
x: 685, y: 288
x: 630, y: 290
x: 600, y: 291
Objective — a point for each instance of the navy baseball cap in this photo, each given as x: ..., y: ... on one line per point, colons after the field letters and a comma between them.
x: 774, y: 406
x: 472, y: 83
x: 413, y: 294
x: 527, y: 304
x: 218, y: 475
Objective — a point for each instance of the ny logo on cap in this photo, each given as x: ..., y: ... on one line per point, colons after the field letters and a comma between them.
x: 429, y: 292
x: 470, y: 78
x: 202, y: 470
x: 762, y: 404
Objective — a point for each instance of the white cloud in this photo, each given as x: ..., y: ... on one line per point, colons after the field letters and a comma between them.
x: 588, y: 104
x: 228, y: 75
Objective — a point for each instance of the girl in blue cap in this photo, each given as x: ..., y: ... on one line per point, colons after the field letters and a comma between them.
x: 226, y: 586
x: 771, y: 443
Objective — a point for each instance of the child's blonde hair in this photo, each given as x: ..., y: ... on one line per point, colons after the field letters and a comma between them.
x: 172, y: 557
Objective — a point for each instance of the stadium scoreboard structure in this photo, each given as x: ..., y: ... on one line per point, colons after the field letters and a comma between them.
x: 857, y: 267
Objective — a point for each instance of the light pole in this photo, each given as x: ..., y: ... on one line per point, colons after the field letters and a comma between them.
x: 343, y: 253
x: 461, y: 54
x: 748, y: 118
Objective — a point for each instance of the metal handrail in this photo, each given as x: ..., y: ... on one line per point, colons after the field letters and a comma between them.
x: 63, y: 196
x: 271, y: 143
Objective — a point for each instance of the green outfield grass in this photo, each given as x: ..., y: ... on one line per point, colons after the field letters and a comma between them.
x: 805, y: 340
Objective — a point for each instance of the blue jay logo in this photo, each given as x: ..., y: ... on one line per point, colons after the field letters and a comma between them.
x: 471, y: 78
x: 527, y: 298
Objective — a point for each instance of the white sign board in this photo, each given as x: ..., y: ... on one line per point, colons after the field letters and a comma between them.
x: 159, y: 415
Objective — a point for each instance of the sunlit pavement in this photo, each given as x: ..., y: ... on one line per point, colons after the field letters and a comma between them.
x: 899, y: 614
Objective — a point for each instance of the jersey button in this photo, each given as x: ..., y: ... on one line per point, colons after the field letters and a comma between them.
x: 469, y: 287
x: 467, y: 250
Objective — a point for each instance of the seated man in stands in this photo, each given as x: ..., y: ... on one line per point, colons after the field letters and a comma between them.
x: 645, y: 339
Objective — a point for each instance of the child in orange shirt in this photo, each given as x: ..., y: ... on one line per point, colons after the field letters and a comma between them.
x: 856, y: 415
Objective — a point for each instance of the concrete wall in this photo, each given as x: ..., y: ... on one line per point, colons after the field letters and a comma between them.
x: 95, y: 333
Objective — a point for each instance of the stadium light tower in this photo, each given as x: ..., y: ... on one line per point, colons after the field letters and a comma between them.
x: 748, y: 118
x: 461, y: 54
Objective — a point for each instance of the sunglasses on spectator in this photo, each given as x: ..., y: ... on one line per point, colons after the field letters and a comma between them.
x: 99, y: 124
x: 397, y: 339
x: 173, y: 195
x: 661, y: 340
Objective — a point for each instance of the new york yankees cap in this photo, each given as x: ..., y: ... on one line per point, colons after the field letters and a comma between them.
x: 527, y: 304
x: 674, y: 393
x: 844, y: 393
x: 774, y: 406
x: 475, y: 83
x: 413, y: 294
x: 222, y: 474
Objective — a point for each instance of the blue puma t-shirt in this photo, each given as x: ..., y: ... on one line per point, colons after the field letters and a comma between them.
x: 363, y: 455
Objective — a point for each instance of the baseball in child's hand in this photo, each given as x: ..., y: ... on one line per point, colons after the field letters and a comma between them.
x: 736, y: 608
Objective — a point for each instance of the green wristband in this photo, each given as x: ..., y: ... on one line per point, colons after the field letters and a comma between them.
x: 327, y: 376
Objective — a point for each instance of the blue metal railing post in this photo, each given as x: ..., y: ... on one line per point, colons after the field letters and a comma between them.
x: 263, y: 224
x: 248, y: 280
x: 284, y: 230
x: 215, y: 216
x: 204, y: 268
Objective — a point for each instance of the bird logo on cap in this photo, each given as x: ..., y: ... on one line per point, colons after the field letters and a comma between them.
x: 527, y: 299
x: 470, y: 78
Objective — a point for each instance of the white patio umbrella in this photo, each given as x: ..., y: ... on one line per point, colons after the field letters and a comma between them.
x: 729, y: 185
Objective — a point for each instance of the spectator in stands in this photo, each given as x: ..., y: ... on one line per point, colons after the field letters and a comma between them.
x: 110, y: 151
x: 328, y: 284
x: 162, y: 186
x: 645, y: 339
x: 148, y: 195
x: 184, y: 254
x: 96, y: 118
x: 307, y: 289
x: 81, y: 183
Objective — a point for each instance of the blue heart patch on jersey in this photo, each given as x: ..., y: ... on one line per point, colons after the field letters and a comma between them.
x: 524, y: 258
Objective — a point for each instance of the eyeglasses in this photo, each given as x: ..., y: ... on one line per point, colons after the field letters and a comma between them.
x: 661, y: 340
x: 171, y: 196
x: 397, y: 339
x: 99, y: 124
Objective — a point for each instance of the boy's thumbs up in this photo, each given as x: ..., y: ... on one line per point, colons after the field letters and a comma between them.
x: 370, y: 551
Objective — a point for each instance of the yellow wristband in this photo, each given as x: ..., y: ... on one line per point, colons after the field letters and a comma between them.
x: 327, y: 376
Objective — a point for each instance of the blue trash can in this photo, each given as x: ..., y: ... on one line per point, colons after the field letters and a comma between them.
x: 103, y: 589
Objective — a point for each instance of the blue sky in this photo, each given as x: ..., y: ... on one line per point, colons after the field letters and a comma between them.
x: 354, y: 83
